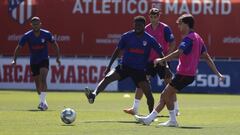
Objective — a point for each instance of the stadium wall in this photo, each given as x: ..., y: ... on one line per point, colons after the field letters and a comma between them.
x: 93, y: 27
x: 73, y: 74
x: 77, y: 73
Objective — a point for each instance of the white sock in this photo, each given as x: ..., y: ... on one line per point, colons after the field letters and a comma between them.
x: 152, y: 115
x: 176, y: 107
x: 136, y: 105
x: 172, y: 115
x: 43, y: 97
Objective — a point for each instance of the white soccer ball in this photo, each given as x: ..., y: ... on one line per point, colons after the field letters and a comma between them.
x: 68, y: 115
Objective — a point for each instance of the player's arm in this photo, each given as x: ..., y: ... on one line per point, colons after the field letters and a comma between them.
x: 169, y: 57
x: 173, y: 55
x: 169, y: 37
x: 159, y: 50
x: 55, y: 45
x: 172, y: 46
x: 211, y: 64
x: 121, y: 45
x: 16, y: 52
x: 115, y: 54
x: 57, y: 50
x: 185, y: 46
x: 21, y: 43
x: 164, y: 63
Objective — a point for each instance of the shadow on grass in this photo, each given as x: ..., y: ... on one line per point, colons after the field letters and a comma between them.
x: 190, y: 127
x: 163, y: 116
x: 109, y: 121
x: 67, y: 125
x: 37, y: 110
x: 159, y: 116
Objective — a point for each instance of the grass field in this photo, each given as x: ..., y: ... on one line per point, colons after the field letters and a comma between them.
x: 200, y: 115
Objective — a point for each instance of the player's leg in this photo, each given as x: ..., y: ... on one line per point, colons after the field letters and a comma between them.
x: 35, y: 69
x: 178, y: 83
x: 140, y: 79
x: 113, y: 75
x: 134, y: 109
x: 176, y: 106
x: 43, y: 74
x: 169, y: 98
x: 161, y: 104
x: 167, y: 77
x: 165, y: 98
x: 43, y: 69
x: 37, y: 81
x: 138, y: 96
x: 139, y: 93
x: 144, y: 85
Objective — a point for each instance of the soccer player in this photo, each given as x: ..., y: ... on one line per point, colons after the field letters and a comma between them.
x: 37, y: 40
x: 189, y: 52
x: 163, y: 34
x: 135, y: 46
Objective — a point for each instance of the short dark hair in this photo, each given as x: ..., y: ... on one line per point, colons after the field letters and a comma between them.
x: 187, y: 19
x: 35, y: 18
x: 154, y: 11
x: 140, y: 19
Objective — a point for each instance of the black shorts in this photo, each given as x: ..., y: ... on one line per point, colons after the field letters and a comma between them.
x: 136, y: 75
x: 181, y: 81
x: 158, y: 70
x: 35, y: 68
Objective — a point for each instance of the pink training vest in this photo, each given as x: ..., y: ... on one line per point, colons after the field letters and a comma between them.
x: 158, y: 34
x: 187, y: 64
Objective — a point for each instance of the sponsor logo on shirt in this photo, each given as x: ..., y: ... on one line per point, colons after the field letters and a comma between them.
x: 171, y: 36
x: 43, y: 40
x: 136, y: 51
x: 144, y: 43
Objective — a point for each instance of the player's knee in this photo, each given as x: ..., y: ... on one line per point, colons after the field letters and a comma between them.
x: 167, y: 81
x: 44, y: 81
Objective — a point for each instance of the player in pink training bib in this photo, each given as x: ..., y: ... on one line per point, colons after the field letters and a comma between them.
x: 189, y: 52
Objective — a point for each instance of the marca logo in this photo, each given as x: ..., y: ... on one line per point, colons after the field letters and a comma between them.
x: 20, y: 10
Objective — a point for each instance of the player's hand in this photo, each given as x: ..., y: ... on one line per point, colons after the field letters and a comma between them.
x: 158, y: 61
x: 13, y: 63
x: 107, y: 71
x: 58, y: 62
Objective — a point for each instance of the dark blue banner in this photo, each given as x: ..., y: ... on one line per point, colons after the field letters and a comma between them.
x: 205, y: 81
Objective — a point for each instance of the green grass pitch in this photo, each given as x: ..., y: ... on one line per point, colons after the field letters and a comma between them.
x: 201, y: 114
